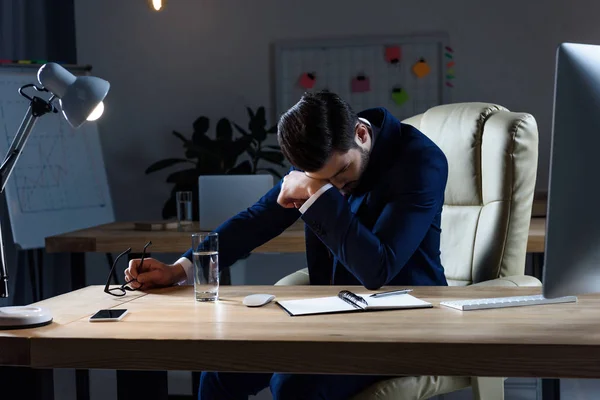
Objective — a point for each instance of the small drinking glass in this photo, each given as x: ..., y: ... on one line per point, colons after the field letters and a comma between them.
x: 205, y: 252
x: 184, y: 210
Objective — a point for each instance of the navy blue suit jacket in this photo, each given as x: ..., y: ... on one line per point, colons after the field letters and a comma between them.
x: 386, y: 233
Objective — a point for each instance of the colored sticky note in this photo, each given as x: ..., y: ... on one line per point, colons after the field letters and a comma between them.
x: 449, y: 49
x: 399, y: 96
x: 393, y: 54
x: 360, y: 84
x: 450, y: 64
x: 449, y: 84
x: 307, y: 80
x: 421, y: 69
x: 450, y: 71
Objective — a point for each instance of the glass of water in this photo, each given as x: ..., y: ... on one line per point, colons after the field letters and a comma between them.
x: 184, y: 210
x: 205, y: 251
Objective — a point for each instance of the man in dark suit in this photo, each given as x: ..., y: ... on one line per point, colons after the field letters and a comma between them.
x: 370, y: 190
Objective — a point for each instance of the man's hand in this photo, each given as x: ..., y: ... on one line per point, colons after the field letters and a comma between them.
x: 153, y: 273
x: 297, y: 188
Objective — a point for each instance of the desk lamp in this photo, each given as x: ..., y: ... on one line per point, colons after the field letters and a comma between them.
x: 80, y: 99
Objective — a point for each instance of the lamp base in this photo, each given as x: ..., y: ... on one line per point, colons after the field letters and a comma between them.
x: 23, y: 317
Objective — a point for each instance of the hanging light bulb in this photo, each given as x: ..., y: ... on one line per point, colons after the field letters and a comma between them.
x: 157, y: 5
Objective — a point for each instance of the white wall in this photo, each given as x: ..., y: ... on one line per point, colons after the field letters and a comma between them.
x: 209, y: 57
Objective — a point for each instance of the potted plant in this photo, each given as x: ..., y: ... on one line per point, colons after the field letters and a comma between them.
x: 219, y: 156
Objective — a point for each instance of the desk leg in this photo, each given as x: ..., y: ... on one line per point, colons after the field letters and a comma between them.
x: 550, y: 389
x: 27, y: 383
x: 195, y: 383
x: 82, y: 384
x: 40, y: 269
x: 77, y: 271
x: 147, y: 385
x: 33, y: 275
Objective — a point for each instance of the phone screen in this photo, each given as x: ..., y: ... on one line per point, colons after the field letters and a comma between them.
x: 109, y: 314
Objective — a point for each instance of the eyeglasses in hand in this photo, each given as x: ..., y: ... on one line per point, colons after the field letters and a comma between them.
x: 124, y: 288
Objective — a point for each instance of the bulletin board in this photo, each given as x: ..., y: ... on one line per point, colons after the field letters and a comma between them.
x: 405, y: 74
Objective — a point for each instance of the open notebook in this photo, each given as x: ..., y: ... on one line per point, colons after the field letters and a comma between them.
x: 347, y: 301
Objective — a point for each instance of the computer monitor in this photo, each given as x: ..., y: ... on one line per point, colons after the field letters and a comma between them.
x: 572, y: 249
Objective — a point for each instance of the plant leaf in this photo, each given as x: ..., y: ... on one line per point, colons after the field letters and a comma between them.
x: 272, y: 156
x: 180, y: 136
x: 274, y: 147
x: 206, y: 148
x: 157, y: 166
x: 243, y: 168
x: 185, y: 177
x: 250, y: 112
x: 260, y: 114
x: 241, y: 130
x: 199, y: 137
x: 272, y: 171
x: 258, y: 123
x: 250, y: 150
x: 224, y: 131
x: 272, y: 129
x: 232, y: 150
x: 201, y: 125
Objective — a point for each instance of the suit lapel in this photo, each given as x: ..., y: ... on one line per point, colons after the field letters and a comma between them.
x: 356, y: 202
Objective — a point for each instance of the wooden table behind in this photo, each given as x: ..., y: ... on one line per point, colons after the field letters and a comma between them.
x: 167, y: 329
x: 116, y: 237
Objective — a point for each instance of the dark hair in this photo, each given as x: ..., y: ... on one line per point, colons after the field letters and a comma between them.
x: 319, y: 124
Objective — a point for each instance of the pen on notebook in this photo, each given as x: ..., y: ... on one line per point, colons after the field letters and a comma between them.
x: 391, y: 293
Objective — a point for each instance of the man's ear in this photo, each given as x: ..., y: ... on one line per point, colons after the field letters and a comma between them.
x: 362, y: 133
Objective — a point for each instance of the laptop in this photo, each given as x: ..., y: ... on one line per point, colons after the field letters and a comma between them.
x: 220, y: 197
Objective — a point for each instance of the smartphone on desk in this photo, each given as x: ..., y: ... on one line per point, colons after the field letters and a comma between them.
x: 108, y: 315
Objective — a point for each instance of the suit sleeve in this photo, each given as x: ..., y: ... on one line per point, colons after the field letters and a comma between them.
x: 375, y: 256
x: 251, y: 228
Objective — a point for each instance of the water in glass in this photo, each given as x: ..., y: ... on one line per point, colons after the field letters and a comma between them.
x: 206, y: 275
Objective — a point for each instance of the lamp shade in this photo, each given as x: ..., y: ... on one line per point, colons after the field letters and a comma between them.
x: 80, y: 97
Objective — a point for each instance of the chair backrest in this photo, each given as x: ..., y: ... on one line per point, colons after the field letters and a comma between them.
x: 492, y: 164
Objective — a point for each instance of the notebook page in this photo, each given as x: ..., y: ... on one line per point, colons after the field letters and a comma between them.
x: 319, y: 305
x: 395, y: 301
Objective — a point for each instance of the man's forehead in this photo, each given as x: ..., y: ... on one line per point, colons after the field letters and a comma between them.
x: 331, y: 167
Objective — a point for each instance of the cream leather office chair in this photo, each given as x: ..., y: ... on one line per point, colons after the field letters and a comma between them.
x: 492, y: 158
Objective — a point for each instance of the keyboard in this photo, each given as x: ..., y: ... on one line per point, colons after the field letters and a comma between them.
x: 503, y: 302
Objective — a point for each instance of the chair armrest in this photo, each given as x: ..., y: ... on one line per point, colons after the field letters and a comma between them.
x: 299, y: 277
x: 515, y: 280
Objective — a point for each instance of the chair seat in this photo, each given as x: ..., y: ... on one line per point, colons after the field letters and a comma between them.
x: 413, y: 388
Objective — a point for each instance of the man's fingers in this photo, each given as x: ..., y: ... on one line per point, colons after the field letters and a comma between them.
x: 285, y: 202
x: 132, y: 269
x: 147, y: 279
x: 128, y: 276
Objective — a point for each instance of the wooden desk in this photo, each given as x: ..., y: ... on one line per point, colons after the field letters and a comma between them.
x: 116, y: 237
x: 167, y: 330
x: 537, y: 235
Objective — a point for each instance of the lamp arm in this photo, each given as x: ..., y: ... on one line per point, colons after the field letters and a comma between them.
x: 16, y: 147
x: 37, y: 108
